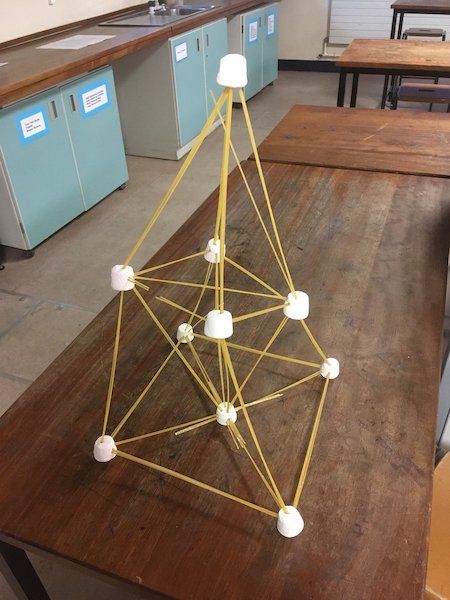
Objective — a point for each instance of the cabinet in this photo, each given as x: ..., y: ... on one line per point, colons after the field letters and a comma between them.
x: 163, y: 91
x: 255, y: 35
x: 58, y: 159
x: 92, y: 115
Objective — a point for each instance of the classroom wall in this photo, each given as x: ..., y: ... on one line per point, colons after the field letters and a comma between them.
x: 303, y: 27
x: 22, y: 17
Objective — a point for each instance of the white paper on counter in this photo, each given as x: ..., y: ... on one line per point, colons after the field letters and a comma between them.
x: 75, y: 42
x: 3, y: 64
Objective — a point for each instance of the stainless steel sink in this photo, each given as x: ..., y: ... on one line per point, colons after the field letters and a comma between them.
x: 160, y: 17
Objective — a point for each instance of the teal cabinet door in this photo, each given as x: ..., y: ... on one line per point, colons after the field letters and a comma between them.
x: 215, y: 47
x: 252, y: 45
x: 189, y: 80
x: 270, y: 44
x: 39, y: 161
x: 92, y: 115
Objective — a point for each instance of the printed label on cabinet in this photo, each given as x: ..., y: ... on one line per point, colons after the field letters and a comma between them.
x: 181, y: 51
x: 94, y: 99
x: 271, y: 24
x: 32, y: 125
x: 252, y: 32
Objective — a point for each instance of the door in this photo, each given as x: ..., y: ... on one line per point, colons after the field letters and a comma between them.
x: 94, y: 124
x: 215, y: 45
x: 252, y: 45
x: 189, y: 81
x: 270, y: 44
x: 40, y: 166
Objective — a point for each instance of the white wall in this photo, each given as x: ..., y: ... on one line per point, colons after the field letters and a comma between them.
x: 303, y: 26
x: 22, y: 17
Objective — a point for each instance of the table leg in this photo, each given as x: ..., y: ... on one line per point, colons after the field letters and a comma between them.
x: 341, y: 89
x: 400, y: 26
x: 385, y: 91
x: 354, y: 90
x: 20, y: 574
x: 394, y: 24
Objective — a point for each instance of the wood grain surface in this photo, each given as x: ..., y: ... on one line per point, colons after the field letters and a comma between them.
x: 407, y: 55
x: 371, y: 250
x: 30, y: 70
x: 358, y: 138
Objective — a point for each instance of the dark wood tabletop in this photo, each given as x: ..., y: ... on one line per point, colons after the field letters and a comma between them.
x: 441, y: 7
x: 406, y: 55
x: 30, y: 70
x: 371, y: 251
x: 358, y: 138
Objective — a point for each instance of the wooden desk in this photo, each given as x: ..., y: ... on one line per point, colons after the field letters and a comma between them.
x: 391, y: 57
x: 359, y: 138
x: 371, y: 250
x: 424, y: 7
x: 30, y: 70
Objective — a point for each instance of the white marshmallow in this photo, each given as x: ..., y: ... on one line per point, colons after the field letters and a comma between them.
x: 212, y: 252
x: 297, y: 306
x: 103, y: 451
x: 232, y: 71
x: 222, y: 414
x: 219, y: 325
x: 330, y: 368
x: 291, y: 523
x: 185, y: 333
x: 120, y: 278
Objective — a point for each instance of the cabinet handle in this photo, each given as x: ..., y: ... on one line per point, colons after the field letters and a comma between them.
x: 53, y: 109
x: 72, y: 102
x: 198, y: 45
x: 207, y: 39
x: 260, y: 21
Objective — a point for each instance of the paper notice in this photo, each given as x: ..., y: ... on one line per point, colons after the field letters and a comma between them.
x: 253, y: 31
x: 75, y: 42
x: 94, y: 98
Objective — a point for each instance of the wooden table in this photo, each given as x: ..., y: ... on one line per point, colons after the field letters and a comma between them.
x: 30, y: 70
x: 361, y: 138
x: 423, y: 7
x: 371, y: 250
x: 391, y: 57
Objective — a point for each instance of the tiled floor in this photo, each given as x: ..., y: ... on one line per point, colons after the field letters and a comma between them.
x: 47, y: 300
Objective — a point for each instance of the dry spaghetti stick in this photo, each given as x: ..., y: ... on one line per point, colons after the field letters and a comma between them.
x: 313, y: 341
x: 264, y: 187
x: 169, y: 339
x: 176, y: 181
x: 258, y: 313
x: 194, y: 426
x: 310, y: 448
x: 202, y: 293
x: 252, y: 276
x: 166, y: 430
x: 223, y: 192
x: 143, y: 393
x: 175, y: 305
x: 168, y: 264
x: 208, y: 380
x: 261, y: 356
x: 252, y: 198
x: 249, y: 423
x: 200, y: 285
x: 296, y: 361
x: 199, y: 484
x: 113, y: 366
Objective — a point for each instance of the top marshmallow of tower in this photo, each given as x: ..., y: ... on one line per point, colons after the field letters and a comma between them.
x: 233, y: 71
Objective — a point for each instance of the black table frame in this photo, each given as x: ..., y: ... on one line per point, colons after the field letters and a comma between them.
x: 388, y: 72
x: 396, y: 33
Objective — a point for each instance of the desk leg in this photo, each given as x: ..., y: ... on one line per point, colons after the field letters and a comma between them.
x: 341, y: 89
x: 385, y: 91
x: 400, y: 26
x: 394, y: 24
x: 20, y: 574
x: 354, y: 90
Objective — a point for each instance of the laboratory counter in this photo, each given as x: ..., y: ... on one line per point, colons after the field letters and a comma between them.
x: 29, y: 70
